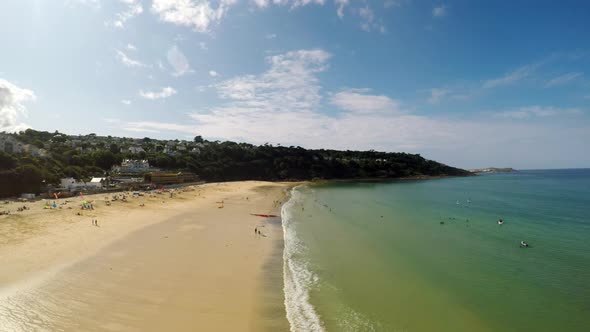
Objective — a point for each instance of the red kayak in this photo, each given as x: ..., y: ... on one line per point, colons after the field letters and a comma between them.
x: 265, y: 215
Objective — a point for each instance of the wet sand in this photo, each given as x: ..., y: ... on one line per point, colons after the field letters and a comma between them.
x: 177, y: 264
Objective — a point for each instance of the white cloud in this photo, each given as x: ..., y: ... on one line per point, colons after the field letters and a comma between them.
x: 565, y: 78
x: 512, y: 77
x: 202, y: 15
x: 394, y: 3
x: 12, y: 98
x: 528, y: 112
x: 156, y: 127
x: 178, y: 61
x: 203, y: 46
x: 164, y: 93
x: 213, y: 73
x: 439, y: 11
x: 289, y: 84
x: 133, y: 9
x: 368, y: 20
x: 261, y: 3
x: 284, y: 104
x: 131, y: 47
x: 196, y: 14
x: 126, y: 102
x: 127, y: 61
x: 436, y: 94
x: 340, y: 4
x: 357, y: 101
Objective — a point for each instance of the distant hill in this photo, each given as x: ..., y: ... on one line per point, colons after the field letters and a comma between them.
x: 90, y: 155
x: 493, y: 170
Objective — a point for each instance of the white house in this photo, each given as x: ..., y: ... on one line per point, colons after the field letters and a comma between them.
x: 132, y: 166
x: 96, y: 183
x: 71, y: 184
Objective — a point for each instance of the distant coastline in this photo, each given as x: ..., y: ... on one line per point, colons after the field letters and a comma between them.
x: 392, y: 179
x: 493, y: 170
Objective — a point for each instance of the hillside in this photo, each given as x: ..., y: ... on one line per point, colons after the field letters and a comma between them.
x: 44, y: 158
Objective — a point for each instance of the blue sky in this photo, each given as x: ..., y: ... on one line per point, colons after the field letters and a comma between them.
x: 468, y: 83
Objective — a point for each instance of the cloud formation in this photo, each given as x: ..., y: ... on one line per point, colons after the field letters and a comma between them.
x: 562, y: 79
x: 12, y: 99
x: 439, y: 11
x: 286, y: 104
x: 511, y: 77
x: 368, y: 20
x: 153, y: 95
x: 196, y: 14
x: 357, y: 101
x: 127, y: 61
x: 436, y: 94
x: 528, y: 112
x: 133, y: 8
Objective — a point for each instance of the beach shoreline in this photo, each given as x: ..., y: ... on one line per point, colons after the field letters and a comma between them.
x: 39, y: 247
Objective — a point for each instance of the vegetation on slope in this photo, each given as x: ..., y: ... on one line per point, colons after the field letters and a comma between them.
x: 85, y: 156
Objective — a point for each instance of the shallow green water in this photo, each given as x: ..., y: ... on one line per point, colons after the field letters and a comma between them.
x: 375, y: 256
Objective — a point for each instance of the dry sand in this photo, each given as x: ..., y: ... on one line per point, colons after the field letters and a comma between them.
x: 178, y: 263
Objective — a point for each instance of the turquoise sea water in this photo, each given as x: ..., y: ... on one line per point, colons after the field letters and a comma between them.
x: 375, y: 256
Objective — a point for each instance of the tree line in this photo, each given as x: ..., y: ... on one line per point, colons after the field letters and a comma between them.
x: 215, y: 161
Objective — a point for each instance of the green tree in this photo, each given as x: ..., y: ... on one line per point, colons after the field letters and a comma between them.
x: 104, y: 159
x: 7, y: 161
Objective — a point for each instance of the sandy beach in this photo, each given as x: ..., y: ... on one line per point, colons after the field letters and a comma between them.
x: 179, y: 260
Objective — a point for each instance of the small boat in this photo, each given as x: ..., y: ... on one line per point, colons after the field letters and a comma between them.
x: 265, y: 215
x: 500, y: 222
x: 524, y: 244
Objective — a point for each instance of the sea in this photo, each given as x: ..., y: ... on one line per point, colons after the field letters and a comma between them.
x: 430, y: 255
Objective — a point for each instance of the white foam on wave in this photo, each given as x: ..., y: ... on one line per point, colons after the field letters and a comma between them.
x: 297, y: 277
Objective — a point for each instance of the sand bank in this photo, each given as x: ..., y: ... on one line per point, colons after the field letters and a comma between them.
x: 156, y: 262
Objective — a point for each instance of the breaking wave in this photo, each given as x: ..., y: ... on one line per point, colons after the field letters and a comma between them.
x: 298, y: 279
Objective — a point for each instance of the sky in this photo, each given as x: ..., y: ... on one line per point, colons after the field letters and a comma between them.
x: 468, y: 83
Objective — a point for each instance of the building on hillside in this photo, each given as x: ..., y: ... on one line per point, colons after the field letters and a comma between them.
x: 133, y: 166
x: 97, y: 183
x: 135, y: 149
x: 164, y: 178
x: 169, y: 151
x: 71, y: 184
